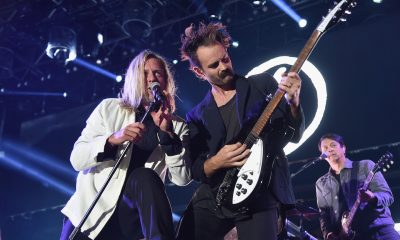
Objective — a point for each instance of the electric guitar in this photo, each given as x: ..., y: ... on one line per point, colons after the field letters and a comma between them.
x: 346, y: 232
x: 240, y: 185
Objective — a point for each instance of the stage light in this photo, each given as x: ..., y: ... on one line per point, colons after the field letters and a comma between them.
x: 65, y: 94
x: 302, y: 23
x: 95, y: 68
x: 289, y: 11
x: 29, y: 93
x: 62, y: 44
x: 235, y: 44
x: 137, y: 16
x: 118, y: 78
x: 100, y: 38
x: 318, y: 81
x: 377, y: 1
x: 257, y: 3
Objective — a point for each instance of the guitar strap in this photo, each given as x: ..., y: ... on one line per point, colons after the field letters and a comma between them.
x: 353, y: 184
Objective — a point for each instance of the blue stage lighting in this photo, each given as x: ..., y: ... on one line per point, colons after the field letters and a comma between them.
x: 35, y: 156
x: 118, y: 78
x: 289, y: 11
x: 16, y: 163
x: 95, y: 68
x: 29, y: 93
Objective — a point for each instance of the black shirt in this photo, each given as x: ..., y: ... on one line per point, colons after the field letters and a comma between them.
x: 230, y: 117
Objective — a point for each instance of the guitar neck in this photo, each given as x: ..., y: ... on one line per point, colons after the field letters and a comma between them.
x: 303, y: 56
x: 357, y: 202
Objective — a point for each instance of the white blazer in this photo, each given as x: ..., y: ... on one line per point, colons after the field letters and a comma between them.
x: 107, y: 118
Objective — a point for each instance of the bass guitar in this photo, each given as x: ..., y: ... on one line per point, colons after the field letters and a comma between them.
x: 240, y: 185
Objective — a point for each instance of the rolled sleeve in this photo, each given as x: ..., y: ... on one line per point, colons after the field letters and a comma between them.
x: 170, y: 145
x: 178, y: 162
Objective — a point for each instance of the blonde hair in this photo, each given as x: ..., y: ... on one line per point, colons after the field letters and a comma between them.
x: 134, y: 91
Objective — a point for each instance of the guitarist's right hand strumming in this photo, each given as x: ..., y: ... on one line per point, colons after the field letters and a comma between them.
x: 231, y: 155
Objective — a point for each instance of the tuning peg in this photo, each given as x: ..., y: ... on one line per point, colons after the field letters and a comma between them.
x: 392, y: 162
x: 384, y: 170
x: 335, y: 3
x: 353, y: 4
x: 347, y: 12
x: 387, y: 166
x: 343, y: 19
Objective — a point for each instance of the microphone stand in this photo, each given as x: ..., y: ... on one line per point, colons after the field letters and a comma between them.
x: 305, y: 166
x: 72, y: 236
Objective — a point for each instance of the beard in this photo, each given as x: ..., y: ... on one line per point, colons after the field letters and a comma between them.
x: 226, y: 73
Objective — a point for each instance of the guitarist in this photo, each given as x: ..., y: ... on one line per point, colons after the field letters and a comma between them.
x: 337, y: 191
x: 215, y: 121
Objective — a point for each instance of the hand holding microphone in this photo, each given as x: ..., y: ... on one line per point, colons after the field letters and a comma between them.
x: 157, y: 92
x: 161, y: 115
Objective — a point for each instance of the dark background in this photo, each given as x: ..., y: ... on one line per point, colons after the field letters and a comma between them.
x: 359, y: 60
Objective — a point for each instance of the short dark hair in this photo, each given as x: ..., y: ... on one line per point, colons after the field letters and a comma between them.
x: 333, y: 136
x: 203, y: 35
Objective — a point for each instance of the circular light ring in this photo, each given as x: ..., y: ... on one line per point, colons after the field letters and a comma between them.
x: 316, y: 78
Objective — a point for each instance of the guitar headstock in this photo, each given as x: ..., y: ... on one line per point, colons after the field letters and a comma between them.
x: 384, y: 163
x: 337, y: 14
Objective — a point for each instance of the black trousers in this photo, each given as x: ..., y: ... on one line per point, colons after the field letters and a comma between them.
x: 143, y: 211
x: 200, y: 223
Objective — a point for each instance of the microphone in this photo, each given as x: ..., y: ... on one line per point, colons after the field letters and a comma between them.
x: 157, y: 92
x: 310, y: 163
x: 321, y: 157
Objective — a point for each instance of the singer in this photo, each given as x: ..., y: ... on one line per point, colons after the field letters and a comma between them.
x: 134, y: 205
x: 337, y: 192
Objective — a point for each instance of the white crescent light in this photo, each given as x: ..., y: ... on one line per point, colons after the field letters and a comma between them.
x: 316, y: 78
